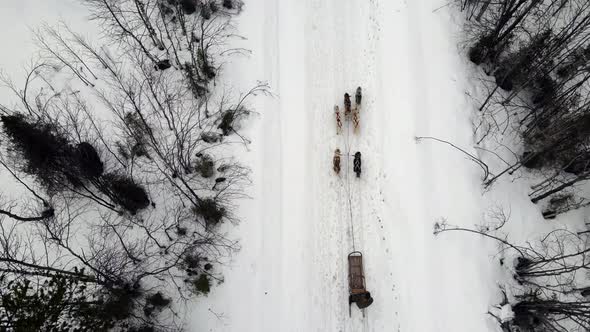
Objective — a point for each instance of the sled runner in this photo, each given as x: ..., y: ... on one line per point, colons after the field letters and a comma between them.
x: 356, y: 283
x: 336, y: 161
x: 338, y: 120
x: 356, y: 164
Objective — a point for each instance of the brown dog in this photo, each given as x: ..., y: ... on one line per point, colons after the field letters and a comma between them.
x: 347, y: 106
x: 336, y: 161
x: 356, y: 120
x: 338, y: 120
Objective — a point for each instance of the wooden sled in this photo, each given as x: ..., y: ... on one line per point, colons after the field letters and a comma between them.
x: 356, y: 283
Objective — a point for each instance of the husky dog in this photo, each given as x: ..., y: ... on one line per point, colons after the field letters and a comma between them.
x: 356, y: 120
x: 347, y: 106
x: 338, y: 120
x: 356, y: 163
x: 336, y: 161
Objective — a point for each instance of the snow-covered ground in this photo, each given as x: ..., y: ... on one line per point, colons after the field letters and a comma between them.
x: 296, y: 232
x: 291, y: 273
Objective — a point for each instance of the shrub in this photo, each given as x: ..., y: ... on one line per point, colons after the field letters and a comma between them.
x: 154, y: 302
x: 47, y: 153
x: 191, y: 261
x: 118, y: 303
x: 131, y: 196
x: 227, y: 120
x: 206, y: 12
x: 211, y: 212
x: 189, y: 6
x: 478, y: 52
x: 202, y: 284
x: 213, y: 6
x: 90, y: 164
x: 205, y: 166
x: 229, y: 4
x: 544, y: 89
x: 532, y: 160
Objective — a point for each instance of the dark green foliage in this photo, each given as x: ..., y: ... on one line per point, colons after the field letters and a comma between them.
x: 210, y: 210
x: 482, y: 50
x: 123, y: 190
x: 202, y: 284
x: 57, y: 304
x: 90, y: 164
x: 516, y: 68
x: 181, y: 231
x: 543, y: 90
x: 118, y: 303
x: 228, y: 4
x: 227, y: 121
x: 206, y: 12
x: 46, y: 152
x: 191, y: 261
x: 532, y: 160
x: 205, y: 166
x: 155, y: 302
x: 189, y: 6
x: 163, y: 64
x: 213, y: 6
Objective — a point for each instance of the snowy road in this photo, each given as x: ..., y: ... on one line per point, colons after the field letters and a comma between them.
x: 291, y: 274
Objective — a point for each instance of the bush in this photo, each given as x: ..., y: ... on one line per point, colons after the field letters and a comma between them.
x: 154, y: 302
x: 119, y: 303
x: 131, y: 196
x: 90, y: 164
x: 478, y: 52
x: 211, y: 212
x: 205, y: 166
x: 206, y: 12
x: 213, y: 6
x: 544, y: 89
x: 192, y: 262
x: 229, y: 4
x: 47, y: 153
x: 189, y: 6
x: 532, y: 160
x: 202, y: 284
x: 227, y: 120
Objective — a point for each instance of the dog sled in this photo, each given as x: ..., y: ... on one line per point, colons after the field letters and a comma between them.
x: 356, y: 283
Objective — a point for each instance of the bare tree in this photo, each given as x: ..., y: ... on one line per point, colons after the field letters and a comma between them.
x: 129, y: 198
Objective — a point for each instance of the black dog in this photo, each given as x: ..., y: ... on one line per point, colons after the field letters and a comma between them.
x: 357, y: 164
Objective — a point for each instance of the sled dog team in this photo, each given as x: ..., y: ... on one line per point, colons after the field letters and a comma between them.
x: 356, y: 278
x: 350, y: 114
